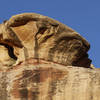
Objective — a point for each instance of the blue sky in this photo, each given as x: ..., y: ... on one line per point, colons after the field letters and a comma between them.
x: 81, y: 15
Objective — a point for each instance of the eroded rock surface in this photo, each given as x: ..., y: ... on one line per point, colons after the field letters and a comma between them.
x: 49, y: 81
x: 43, y: 59
x: 36, y: 36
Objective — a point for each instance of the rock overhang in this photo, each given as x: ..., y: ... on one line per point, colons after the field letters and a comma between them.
x: 49, y: 40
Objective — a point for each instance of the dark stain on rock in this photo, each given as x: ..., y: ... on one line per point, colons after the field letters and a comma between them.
x: 23, y: 94
x: 35, y: 95
x: 52, y: 90
x: 3, y: 86
x: 30, y: 81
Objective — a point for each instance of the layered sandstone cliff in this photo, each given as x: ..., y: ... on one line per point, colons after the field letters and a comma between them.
x: 43, y: 59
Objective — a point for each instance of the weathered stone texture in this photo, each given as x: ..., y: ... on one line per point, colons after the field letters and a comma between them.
x: 43, y: 59
x: 49, y: 81
x: 36, y: 36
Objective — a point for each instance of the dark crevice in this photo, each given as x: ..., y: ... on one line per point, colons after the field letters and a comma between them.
x: 10, y: 51
x: 36, y: 48
x: 22, y: 21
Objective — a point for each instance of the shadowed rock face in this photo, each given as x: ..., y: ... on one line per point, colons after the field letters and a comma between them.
x: 36, y: 36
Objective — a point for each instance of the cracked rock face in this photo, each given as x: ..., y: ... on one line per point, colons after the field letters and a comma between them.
x: 40, y: 37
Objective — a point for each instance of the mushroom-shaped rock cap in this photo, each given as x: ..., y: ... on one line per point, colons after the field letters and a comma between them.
x: 45, y: 38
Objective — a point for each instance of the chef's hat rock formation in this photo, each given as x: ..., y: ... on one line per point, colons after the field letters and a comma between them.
x: 35, y: 36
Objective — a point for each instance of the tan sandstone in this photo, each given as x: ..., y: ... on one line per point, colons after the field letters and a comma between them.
x: 36, y: 36
x: 43, y: 59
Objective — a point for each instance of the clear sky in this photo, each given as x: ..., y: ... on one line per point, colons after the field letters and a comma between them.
x: 81, y: 15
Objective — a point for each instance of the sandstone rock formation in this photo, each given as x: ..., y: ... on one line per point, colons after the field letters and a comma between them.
x: 49, y: 81
x: 36, y: 36
x: 43, y: 59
